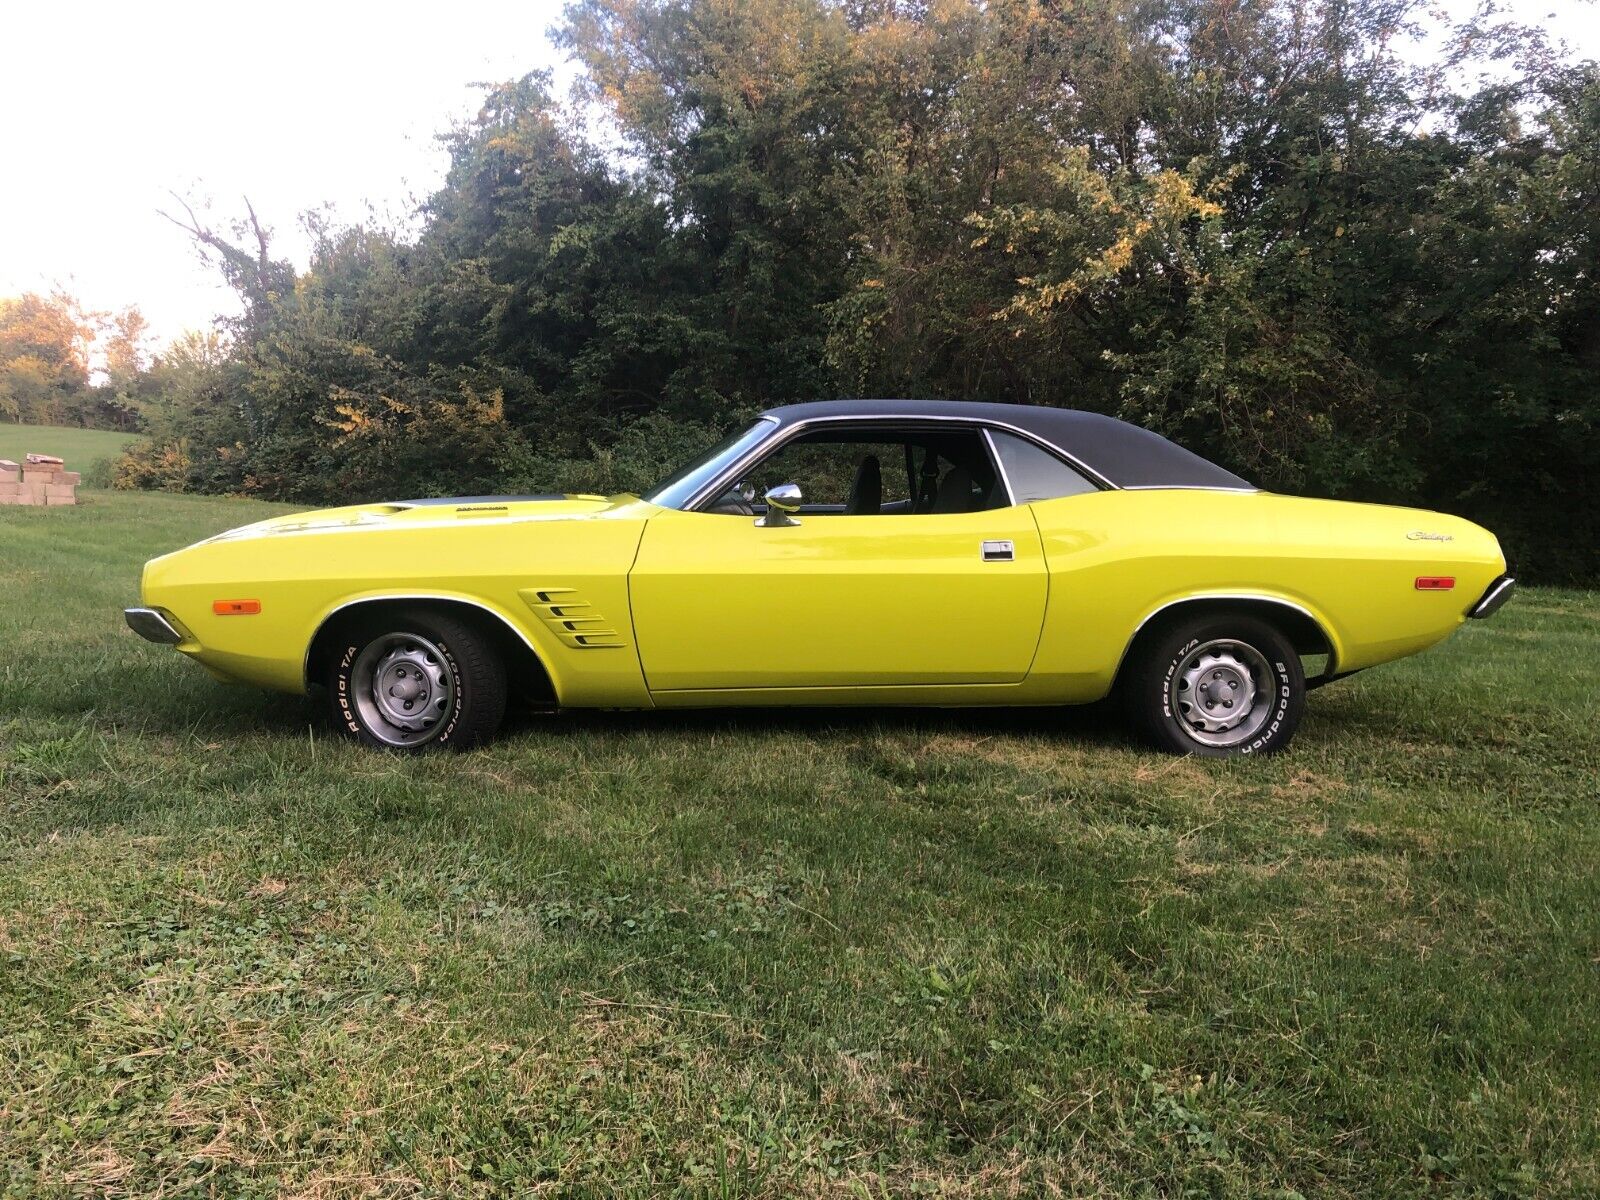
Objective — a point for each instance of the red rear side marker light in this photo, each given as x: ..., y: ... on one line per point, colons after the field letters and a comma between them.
x: 249, y: 608
x: 1435, y: 583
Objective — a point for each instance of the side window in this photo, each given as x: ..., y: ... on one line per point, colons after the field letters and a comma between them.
x: 1034, y: 473
x: 859, y: 470
x: 840, y: 475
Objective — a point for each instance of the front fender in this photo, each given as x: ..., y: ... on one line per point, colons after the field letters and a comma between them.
x: 500, y: 567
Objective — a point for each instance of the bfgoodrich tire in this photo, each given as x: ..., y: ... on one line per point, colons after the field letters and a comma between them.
x: 1218, y: 686
x: 416, y: 681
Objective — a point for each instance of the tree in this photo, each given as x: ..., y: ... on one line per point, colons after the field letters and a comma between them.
x: 119, y: 401
x: 44, y: 357
x: 1269, y: 230
x: 127, y: 346
x: 260, y: 280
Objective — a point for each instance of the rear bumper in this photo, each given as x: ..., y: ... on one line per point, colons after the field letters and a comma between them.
x: 1497, y: 594
x: 153, y: 625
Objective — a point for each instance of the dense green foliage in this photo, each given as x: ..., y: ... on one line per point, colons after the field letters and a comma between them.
x: 1281, y: 232
x: 776, y: 954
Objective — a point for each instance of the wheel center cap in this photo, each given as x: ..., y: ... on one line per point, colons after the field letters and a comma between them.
x: 406, y: 687
x: 1225, y: 689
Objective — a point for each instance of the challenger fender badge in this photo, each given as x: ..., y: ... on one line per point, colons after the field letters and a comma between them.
x: 1419, y: 536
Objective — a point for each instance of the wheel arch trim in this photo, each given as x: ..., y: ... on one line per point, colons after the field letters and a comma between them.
x: 511, y: 626
x: 1335, y: 650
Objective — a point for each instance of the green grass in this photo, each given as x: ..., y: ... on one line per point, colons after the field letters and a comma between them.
x: 839, y: 953
x: 80, y: 447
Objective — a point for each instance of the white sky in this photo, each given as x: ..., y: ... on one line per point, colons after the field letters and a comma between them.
x: 107, y: 107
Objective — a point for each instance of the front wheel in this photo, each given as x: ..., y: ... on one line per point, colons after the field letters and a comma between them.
x: 417, y: 681
x: 1218, y: 686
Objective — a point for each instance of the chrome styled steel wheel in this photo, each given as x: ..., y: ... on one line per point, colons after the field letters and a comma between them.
x: 403, y: 689
x: 417, y: 680
x: 1223, y: 691
x: 1218, y: 685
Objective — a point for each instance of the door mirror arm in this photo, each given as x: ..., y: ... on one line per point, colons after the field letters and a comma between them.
x: 783, y: 502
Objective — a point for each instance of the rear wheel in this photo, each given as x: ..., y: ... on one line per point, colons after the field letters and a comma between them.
x: 1218, y: 686
x: 417, y: 681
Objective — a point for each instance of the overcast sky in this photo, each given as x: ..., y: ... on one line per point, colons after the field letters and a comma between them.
x: 107, y: 108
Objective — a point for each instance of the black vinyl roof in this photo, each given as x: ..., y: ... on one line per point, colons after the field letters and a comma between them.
x: 1124, y: 455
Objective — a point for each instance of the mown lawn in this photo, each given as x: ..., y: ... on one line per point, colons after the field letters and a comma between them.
x: 822, y: 954
x: 80, y: 447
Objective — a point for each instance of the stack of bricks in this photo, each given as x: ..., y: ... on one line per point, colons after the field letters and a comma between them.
x: 41, y: 480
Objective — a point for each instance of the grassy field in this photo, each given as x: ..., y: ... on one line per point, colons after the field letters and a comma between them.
x: 80, y: 447
x: 824, y: 954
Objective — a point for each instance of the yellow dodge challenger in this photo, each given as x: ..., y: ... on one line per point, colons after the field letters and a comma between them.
x: 847, y: 553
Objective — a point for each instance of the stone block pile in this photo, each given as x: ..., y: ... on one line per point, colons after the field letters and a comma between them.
x: 40, y: 480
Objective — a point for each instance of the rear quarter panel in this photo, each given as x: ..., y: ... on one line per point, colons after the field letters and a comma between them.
x: 1116, y: 558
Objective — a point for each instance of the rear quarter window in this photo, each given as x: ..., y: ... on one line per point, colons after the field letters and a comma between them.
x: 1034, y: 473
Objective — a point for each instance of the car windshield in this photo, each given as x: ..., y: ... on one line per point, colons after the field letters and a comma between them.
x: 674, y: 491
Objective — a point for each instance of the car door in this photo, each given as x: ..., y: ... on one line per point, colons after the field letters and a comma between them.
x: 891, y: 597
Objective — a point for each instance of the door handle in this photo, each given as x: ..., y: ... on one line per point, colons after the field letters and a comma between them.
x: 1000, y: 550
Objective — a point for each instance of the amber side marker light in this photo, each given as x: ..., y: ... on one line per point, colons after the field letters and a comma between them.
x: 1435, y: 583
x: 249, y: 608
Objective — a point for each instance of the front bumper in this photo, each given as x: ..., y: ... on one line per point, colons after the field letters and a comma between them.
x: 1493, y: 598
x: 153, y: 625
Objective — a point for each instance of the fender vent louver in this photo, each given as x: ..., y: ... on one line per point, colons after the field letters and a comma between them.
x: 572, y: 618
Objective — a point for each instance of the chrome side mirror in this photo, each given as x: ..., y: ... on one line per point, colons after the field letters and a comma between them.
x: 783, y: 502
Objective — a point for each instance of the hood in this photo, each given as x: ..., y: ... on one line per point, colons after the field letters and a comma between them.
x: 438, y: 511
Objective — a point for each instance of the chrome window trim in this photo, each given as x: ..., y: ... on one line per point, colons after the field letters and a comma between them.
x: 699, y: 497
x: 1000, y: 466
x: 787, y: 433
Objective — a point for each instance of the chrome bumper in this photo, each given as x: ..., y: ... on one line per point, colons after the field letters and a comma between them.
x: 152, y: 625
x: 1499, y: 592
